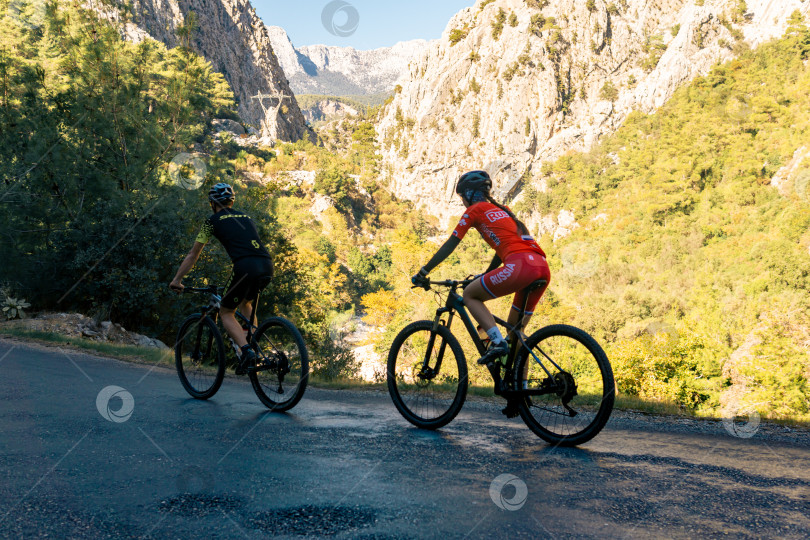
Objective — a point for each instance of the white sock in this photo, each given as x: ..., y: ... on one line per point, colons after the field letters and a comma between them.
x: 495, y: 335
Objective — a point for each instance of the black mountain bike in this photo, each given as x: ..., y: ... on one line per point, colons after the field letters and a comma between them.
x: 559, y: 378
x: 281, y: 372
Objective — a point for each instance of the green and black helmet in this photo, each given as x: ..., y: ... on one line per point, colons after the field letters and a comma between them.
x: 221, y: 193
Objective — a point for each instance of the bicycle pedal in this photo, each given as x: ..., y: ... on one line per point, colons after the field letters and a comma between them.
x: 511, y: 411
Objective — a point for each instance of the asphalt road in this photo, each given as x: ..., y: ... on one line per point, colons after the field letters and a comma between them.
x: 346, y: 465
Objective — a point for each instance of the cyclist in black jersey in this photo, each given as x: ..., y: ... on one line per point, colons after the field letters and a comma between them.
x: 252, y: 263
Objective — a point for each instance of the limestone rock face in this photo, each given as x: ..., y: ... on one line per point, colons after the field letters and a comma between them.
x: 513, y: 83
x: 232, y: 37
x: 327, y: 109
x: 343, y: 71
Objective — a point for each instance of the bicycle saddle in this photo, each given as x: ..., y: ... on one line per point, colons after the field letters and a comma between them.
x: 539, y: 284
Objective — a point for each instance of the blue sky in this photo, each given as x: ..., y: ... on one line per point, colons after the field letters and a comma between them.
x: 367, y: 24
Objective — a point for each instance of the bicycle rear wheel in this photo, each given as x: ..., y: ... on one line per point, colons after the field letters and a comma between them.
x: 199, y: 356
x: 578, y: 389
x: 282, y: 364
x: 428, y: 395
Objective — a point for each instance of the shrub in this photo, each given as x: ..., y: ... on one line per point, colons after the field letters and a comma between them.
x: 497, y: 24
x: 457, y: 34
x: 609, y: 92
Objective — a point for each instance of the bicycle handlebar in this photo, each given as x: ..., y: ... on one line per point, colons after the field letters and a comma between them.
x: 212, y: 289
x: 446, y: 283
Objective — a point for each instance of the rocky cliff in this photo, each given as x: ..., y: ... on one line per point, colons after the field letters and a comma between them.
x: 236, y: 42
x: 343, y: 71
x: 326, y: 109
x: 513, y: 83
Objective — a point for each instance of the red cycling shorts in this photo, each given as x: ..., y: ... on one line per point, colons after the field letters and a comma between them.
x: 519, y: 270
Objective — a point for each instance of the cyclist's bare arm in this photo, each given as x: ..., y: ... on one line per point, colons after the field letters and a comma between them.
x: 186, y: 266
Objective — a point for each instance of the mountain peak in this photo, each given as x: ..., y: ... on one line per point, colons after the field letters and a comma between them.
x: 342, y: 71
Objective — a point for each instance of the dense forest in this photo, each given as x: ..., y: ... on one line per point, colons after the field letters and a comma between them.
x: 689, y: 266
x: 106, y: 154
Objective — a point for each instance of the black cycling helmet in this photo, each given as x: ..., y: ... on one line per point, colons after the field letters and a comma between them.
x: 221, y: 193
x: 474, y: 182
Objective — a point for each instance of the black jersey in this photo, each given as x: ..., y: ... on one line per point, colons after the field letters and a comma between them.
x: 237, y: 233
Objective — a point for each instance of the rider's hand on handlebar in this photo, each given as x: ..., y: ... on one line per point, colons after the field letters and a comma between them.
x: 420, y: 279
x: 177, y: 286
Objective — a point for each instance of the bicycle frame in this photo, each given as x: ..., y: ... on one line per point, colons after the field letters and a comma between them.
x: 455, y: 305
x: 213, y: 308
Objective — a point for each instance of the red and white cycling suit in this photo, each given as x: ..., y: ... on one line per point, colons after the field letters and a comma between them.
x: 524, y: 262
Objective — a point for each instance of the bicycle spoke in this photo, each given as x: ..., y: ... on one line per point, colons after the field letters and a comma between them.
x: 427, y: 378
x: 573, y: 381
x: 282, y: 369
x: 199, y: 357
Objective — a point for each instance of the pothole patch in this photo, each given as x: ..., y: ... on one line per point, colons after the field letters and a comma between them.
x: 313, y: 520
x: 198, y: 505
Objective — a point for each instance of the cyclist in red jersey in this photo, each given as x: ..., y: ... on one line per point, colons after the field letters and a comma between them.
x: 518, y: 262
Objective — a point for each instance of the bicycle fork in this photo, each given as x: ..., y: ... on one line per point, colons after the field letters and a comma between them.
x: 426, y: 370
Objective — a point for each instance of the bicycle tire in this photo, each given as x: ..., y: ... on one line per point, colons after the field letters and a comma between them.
x: 400, y: 373
x: 201, y: 377
x: 545, y: 414
x: 278, y: 339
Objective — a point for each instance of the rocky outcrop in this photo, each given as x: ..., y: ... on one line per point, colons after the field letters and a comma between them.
x: 513, y: 83
x: 326, y: 109
x: 75, y: 325
x: 232, y: 37
x: 793, y: 178
x: 343, y: 71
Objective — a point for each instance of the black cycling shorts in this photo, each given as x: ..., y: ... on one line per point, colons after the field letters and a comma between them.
x: 250, y: 276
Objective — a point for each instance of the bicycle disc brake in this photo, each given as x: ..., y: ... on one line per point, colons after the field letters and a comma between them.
x: 566, y: 390
x: 422, y: 375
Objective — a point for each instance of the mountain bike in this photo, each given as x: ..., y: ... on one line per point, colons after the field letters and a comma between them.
x: 558, y: 379
x: 280, y: 374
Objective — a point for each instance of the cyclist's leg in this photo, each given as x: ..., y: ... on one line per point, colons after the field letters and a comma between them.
x: 246, y: 309
x: 260, y: 270
x: 532, y: 271
x: 474, y: 297
x: 235, y: 293
x: 232, y: 326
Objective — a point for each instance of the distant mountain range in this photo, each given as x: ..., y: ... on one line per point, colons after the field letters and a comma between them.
x: 343, y: 71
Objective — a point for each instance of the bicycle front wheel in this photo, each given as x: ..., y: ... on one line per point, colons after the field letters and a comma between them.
x: 572, y: 384
x: 199, y: 356
x: 427, y: 375
x: 282, y: 364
